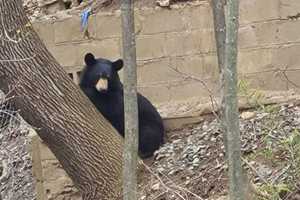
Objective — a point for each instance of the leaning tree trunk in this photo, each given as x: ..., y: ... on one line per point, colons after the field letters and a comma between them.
x: 86, y: 145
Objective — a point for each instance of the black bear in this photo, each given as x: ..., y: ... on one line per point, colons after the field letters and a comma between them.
x: 101, y: 83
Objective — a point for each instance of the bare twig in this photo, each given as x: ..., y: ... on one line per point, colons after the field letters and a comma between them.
x: 254, y: 170
x: 287, y: 78
x: 280, y: 174
x: 161, y: 181
x: 214, y: 103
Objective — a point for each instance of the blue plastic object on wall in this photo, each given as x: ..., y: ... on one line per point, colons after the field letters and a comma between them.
x: 85, y: 18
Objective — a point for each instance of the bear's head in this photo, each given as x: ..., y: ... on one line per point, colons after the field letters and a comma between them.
x: 101, y: 74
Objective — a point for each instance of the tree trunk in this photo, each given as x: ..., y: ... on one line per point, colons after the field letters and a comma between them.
x: 236, y: 177
x: 220, y: 30
x: 220, y: 37
x: 130, y: 103
x: 86, y: 145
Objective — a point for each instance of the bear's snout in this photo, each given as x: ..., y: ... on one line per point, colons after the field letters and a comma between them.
x: 102, y: 85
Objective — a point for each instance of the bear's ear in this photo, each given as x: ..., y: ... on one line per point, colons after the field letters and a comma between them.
x: 89, y: 59
x: 118, y: 64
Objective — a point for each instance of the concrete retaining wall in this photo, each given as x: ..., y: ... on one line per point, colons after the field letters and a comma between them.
x: 182, y: 38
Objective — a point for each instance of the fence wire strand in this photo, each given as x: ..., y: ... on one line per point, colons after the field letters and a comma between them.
x: 9, y: 118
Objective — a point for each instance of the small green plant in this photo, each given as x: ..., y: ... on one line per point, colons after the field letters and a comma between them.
x: 292, y: 146
x: 293, y: 140
x: 267, y: 153
x: 254, y: 97
x: 272, y: 109
x: 273, y: 191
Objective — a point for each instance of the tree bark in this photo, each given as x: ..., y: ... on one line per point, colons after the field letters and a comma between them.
x: 86, y: 145
x: 236, y: 180
x: 220, y: 37
x: 220, y: 30
x: 130, y: 103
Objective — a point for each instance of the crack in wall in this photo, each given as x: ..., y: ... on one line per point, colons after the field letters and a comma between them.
x: 294, y: 17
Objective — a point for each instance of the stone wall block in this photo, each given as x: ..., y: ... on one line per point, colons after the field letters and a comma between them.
x: 259, y: 10
x: 69, y: 30
x: 162, y: 21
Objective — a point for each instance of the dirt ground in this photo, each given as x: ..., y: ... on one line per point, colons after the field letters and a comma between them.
x: 191, y: 163
x: 36, y: 12
x: 115, y: 4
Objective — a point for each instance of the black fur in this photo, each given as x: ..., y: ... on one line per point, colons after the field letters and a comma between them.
x: 110, y: 103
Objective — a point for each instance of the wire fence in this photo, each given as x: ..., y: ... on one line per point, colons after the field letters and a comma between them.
x: 16, y: 179
x: 8, y: 116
